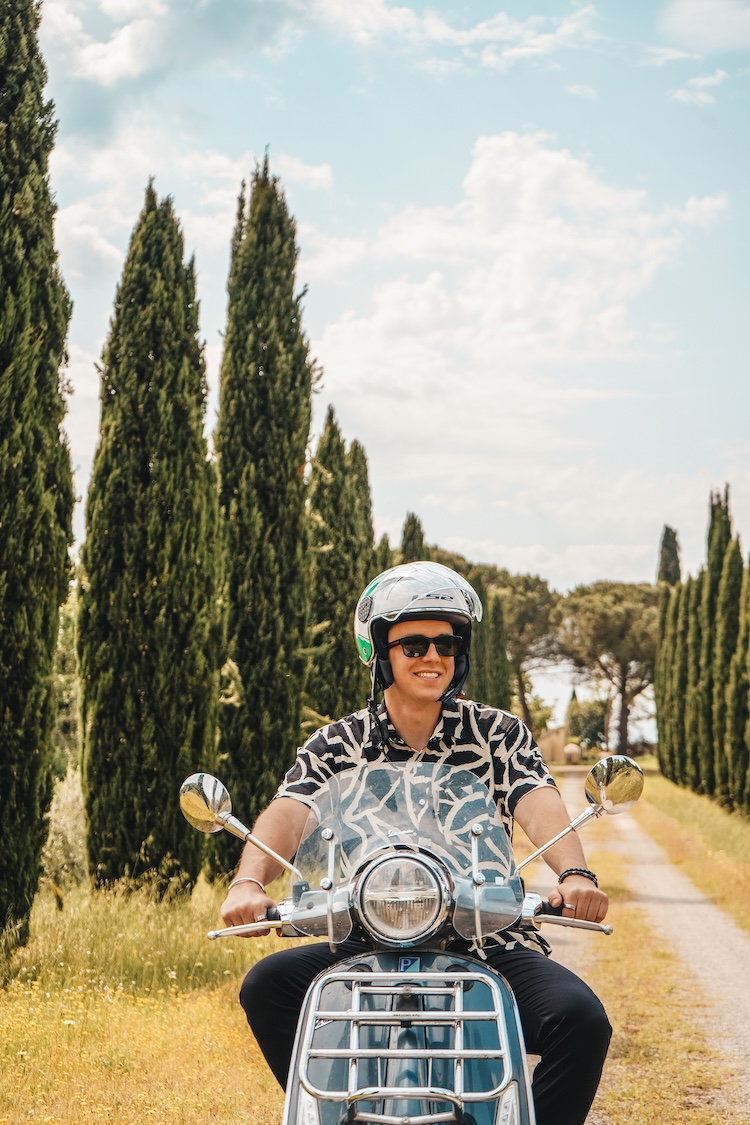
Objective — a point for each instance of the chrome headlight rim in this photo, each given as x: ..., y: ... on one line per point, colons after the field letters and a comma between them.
x: 442, y: 884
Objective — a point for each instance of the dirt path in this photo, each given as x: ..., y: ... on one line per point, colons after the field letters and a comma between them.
x: 707, y: 941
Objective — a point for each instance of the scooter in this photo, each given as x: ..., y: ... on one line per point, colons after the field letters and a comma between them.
x: 409, y: 858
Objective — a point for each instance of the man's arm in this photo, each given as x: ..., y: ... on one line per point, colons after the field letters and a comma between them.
x: 280, y: 826
x: 542, y: 814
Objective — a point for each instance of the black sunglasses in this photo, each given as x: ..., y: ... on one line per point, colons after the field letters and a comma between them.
x: 447, y: 644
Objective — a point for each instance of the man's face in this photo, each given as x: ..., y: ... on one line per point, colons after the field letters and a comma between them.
x: 419, y: 679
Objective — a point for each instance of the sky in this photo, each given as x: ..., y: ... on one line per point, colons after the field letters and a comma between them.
x: 523, y: 234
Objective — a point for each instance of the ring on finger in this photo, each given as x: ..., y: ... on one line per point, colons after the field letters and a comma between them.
x: 568, y: 906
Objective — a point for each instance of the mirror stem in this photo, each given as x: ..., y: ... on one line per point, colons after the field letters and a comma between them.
x: 574, y: 825
x: 237, y: 828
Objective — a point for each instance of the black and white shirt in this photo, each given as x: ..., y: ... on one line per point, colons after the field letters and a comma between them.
x: 494, y: 745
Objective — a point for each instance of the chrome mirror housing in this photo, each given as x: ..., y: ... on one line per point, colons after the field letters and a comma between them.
x: 205, y: 802
x: 614, y: 784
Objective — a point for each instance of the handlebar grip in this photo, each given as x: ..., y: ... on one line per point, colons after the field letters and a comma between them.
x: 272, y: 914
x: 545, y: 908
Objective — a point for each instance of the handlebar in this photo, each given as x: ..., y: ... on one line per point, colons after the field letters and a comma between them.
x: 273, y: 916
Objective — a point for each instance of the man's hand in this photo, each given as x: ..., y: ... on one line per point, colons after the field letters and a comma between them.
x: 580, y: 898
x: 246, y: 902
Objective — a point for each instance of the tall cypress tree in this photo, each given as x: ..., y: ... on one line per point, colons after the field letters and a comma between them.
x: 737, y: 728
x: 479, y: 685
x: 36, y: 490
x: 413, y: 546
x: 669, y: 557
x: 679, y: 683
x: 727, y: 631
x: 383, y: 554
x: 148, y: 593
x: 337, y: 682
x: 693, y: 700
x: 668, y: 609
x: 719, y: 534
x: 261, y: 439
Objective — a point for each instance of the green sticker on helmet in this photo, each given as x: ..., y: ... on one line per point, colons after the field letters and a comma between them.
x: 365, y: 649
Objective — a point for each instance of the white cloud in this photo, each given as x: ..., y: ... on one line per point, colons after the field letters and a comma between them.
x: 660, y: 56
x: 695, y: 90
x: 294, y: 170
x: 708, y: 26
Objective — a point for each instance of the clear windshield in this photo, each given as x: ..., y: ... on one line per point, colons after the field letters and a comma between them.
x: 385, y: 807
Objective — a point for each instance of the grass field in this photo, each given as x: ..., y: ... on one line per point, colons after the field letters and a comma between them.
x: 120, y: 1010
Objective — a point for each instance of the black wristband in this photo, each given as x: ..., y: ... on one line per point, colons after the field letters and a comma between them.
x: 578, y: 871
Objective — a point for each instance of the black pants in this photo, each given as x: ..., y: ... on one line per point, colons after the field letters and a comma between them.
x: 562, y: 1020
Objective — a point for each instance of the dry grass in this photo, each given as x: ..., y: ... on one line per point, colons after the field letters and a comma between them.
x: 120, y: 1009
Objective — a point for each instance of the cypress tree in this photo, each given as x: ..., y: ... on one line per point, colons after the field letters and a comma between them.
x: 573, y: 718
x: 727, y: 632
x: 36, y: 489
x: 693, y: 695
x: 669, y: 557
x: 719, y: 534
x: 413, y: 546
x: 662, y: 677
x: 261, y: 439
x: 383, y: 555
x: 737, y: 728
x: 342, y: 549
x: 358, y: 489
x: 678, y: 684
x: 147, y: 641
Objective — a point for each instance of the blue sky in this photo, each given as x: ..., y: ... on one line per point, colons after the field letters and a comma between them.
x: 523, y: 229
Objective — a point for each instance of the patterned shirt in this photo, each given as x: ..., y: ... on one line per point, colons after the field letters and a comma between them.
x: 494, y: 745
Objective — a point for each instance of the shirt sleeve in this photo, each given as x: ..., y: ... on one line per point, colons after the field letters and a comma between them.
x: 312, y: 767
x: 521, y: 762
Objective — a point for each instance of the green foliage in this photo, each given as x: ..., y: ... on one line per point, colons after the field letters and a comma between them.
x: 693, y: 697
x: 719, y: 534
x: 609, y: 631
x: 539, y: 713
x: 383, y: 555
x: 413, y: 546
x: 727, y: 632
x: 678, y: 683
x: 669, y: 557
x: 573, y: 718
x: 342, y: 561
x: 737, y: 726
x: 36, y: 490
x: 261, y: 439
x: 489, y: 676
x: 148, y: 591
x: 527, y: 604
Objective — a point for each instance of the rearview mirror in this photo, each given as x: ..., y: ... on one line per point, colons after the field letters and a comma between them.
x: 205, y: 802
x: 614, y: 784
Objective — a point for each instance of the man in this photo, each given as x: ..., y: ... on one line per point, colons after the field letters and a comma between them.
x: 413, y: 628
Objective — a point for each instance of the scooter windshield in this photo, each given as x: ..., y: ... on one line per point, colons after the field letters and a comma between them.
x: 361, y: 813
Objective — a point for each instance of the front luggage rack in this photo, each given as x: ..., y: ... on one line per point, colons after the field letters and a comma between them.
x: 405, y: 1037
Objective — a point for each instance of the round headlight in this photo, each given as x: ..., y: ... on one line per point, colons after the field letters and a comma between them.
x: 402, y: 899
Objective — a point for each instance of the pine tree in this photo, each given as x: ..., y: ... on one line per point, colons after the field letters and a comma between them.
x: 358, y: 489
x: 147, y: 626
x: 719, y: 534
x: 737, y: 728
x: 36, y: 490
x: 662, y: 674
x: 727, y: 632
x: 669, y: 557
x: 413, y: 546
x: 261, y: 439
x: 693, y: 694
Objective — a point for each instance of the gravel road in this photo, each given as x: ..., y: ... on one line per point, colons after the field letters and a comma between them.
x: 708, y: 942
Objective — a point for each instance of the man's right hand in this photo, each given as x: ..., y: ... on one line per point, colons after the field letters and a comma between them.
x: 246, y: 902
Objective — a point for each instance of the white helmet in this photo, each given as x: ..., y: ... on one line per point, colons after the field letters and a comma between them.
x: 423, y: 590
